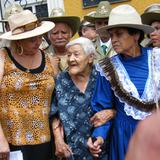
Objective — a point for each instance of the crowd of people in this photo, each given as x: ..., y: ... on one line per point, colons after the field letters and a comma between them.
x: 88, y: 98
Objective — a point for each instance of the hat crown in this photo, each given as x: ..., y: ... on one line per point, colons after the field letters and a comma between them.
x: 21, y: 19
x: 12, y: 9
x: 103, y: 9
x: 57, y: 12
x: 154, y: 8
x: 124, y: 14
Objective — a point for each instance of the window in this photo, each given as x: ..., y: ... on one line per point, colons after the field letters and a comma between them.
x: 41, y: 10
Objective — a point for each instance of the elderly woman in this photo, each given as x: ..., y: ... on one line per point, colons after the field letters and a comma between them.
x: 151, y: 16
x: 125, y: 81
x: 73, y: 92
x: 27, y: 83
x: 65, y: 28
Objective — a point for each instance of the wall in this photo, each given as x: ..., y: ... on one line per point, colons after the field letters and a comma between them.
x: 74, y: 7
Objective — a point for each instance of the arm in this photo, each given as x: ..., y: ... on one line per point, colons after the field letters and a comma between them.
x: 102, y: 100
x: 55, y: 61
x: 102, y: 117
x: 61, y: 148
x: 4, y: 146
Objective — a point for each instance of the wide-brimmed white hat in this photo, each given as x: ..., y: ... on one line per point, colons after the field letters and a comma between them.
x: 25, y: 25
x: 126, y: 16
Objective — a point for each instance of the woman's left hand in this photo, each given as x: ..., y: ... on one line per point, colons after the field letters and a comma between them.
x: 62, y: 149
x: 102, y: 117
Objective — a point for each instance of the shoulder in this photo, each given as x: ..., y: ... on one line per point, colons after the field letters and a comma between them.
x: 62, y: 76
x: 3, y: 52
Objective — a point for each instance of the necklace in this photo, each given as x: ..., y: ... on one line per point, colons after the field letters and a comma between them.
x: 31, y: 59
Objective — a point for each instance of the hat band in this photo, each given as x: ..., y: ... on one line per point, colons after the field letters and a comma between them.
x: 26, y: 27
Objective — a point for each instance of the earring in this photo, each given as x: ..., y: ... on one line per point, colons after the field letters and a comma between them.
x: 20, y: 50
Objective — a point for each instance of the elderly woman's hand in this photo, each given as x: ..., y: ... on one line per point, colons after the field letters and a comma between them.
x: 102, y: 117
x: 95, y: 147
x: 4, y: 148
x: 62, y: 149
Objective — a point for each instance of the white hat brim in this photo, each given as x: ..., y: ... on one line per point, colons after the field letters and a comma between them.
x: 43, y: 28
x: 145, y: 28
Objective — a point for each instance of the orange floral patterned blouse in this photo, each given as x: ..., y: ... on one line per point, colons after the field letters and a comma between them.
x: 25, y: 103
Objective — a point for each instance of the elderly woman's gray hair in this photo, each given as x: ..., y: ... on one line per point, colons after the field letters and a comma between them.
x: 85, y: 43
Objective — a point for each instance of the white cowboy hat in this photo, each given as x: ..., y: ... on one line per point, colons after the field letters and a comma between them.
x: 125, y: 16
x: 25, y: 25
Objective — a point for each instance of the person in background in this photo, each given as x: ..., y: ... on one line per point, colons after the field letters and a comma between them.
x: 125, y: 81
x: 65, y: 28
x: 151, y: 16
x: 145, y: 143
x: 12, y: 9
x: 26, y: 76
x: 100, y: 19
x: 73, y: 92
x: 87, y: 29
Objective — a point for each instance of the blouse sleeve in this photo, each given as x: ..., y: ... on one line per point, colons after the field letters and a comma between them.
x: 102, y: 99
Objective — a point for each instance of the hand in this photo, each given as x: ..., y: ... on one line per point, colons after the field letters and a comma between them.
x: 55, y: 62
x: 4, y: 149
x: 102, y: 117
x: 62, y: 149
x: 95, y: 147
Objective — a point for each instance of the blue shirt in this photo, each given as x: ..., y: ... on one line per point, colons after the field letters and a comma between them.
x: 103, y: 98
x: 74, y: 109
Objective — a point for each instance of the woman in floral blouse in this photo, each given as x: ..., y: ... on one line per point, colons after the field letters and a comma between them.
x: 73, y: 92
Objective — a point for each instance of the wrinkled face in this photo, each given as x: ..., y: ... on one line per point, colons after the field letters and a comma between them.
x: 60, y: 35
x: 155, y: 36
x: 89, y: 32
x: 122, y: 41
x: 78, y: 60
x: 30, y: 45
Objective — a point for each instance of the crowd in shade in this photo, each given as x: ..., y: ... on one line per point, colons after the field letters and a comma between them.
x: 95, y: 97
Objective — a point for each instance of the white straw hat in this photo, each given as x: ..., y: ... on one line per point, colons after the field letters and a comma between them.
x: 126, y: 16
x: 25, y: 25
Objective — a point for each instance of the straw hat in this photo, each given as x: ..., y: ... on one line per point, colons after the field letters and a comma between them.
x: 58, y: 15
x: 125, y: 16
x: 25, y: 25
x: 103, y: 11
x: 12, y: 9
x: 151, y: 13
